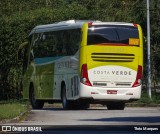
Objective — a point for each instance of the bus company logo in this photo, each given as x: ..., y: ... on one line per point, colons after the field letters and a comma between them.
x: 112, y: 72
x: 63, y: 65
x: 6, y: 128
x: 115, y: 50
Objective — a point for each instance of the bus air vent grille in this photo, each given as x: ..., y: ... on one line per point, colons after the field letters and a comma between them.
x: 112, y: 57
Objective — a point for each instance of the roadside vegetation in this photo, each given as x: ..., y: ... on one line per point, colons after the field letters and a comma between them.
x: 145, y: 100
x: 12, y: 109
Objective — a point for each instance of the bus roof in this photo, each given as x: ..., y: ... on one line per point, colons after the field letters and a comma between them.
x: 72, y: 24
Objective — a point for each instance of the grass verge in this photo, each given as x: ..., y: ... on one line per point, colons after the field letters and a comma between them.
x: 145, y: 101
x: 155, y: 98
x: 10, y: 110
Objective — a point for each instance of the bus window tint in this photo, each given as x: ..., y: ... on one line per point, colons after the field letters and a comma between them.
x: 57, y: 43
x: 68, y: 42
x: 111, y: 34
x: 43, y: 45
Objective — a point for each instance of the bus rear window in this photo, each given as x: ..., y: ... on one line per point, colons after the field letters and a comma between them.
x: 113, y: 34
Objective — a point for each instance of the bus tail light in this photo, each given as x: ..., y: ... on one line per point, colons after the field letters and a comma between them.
x: 135, y: 25
x: 84, y: 75
x: 90, y: 24
x: 138, y: 77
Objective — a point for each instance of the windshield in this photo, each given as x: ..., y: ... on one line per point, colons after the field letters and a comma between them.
x: 113, y: 34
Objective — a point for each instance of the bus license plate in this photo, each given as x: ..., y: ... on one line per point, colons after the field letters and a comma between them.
x: 111, y: 91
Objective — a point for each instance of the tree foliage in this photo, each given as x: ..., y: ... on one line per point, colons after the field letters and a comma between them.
x: 18, y: 17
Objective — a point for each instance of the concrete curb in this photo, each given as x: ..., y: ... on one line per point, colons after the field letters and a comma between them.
x: 141, y: 105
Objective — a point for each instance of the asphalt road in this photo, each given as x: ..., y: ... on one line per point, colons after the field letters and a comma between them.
x: 95, y: 118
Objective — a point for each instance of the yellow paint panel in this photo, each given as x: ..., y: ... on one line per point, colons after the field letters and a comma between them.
x: 117, y: 53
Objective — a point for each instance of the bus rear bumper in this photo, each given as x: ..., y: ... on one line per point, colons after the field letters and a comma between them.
x: 110, y: 94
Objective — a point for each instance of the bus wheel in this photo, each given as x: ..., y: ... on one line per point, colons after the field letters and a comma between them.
x: 116, y: 106
x: 36, y: 104
x: 65, y: 102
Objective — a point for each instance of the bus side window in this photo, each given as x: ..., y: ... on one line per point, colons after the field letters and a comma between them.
x: 43, y: 46
x: 73, y: 41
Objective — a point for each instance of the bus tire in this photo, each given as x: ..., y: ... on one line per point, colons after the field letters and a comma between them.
x: 36, y: 104
x: 116, y: 106
x: 65, y: 102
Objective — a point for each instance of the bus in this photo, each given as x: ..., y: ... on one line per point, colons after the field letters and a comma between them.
x: 79, y: 63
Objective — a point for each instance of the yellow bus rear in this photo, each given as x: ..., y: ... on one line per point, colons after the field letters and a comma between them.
x: 111, y: 63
